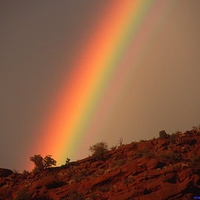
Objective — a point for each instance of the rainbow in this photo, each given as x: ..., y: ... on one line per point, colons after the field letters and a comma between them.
x: 86, y: 99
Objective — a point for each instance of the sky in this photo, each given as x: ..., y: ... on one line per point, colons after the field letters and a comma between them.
x: 41, y: 43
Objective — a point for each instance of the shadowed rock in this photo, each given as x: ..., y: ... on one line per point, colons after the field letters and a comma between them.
x: 5, y: 172
x: 161, y: 168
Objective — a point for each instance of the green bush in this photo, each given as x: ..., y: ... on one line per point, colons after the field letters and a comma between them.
x: 163, y: 135
x: 23, y: 194
x: 114, y: 147
x: 38, y: 162
x: 42, y: 163
x: 99, y: 149
x: 172, y: 157
x: 145, y: 152
x: 173, y: 138
x: 25, y: 173
x: 195, y: 161
x: 48, y: 161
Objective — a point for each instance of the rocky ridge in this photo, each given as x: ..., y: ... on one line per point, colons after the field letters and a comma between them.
x: 166, y: 168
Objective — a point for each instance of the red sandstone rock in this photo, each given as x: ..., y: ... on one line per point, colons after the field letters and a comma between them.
x: 153, y: 164
x: 122, y: 175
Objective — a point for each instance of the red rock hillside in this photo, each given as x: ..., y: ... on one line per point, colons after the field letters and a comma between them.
x: 166, y: 168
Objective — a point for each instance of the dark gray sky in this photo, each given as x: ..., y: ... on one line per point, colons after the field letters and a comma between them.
x: 38, y: 40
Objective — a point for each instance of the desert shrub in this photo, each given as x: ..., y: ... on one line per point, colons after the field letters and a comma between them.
x: 23, y: 194
x: 42, y: 163
x: 67, y: 161
x: 163, y: 135
x: 195, y: 128
x: 134, y: 142
x: 145, y: 152
x: 48, y: 161
x: 73, y: 195
x: 172, y: 157
x: 99, y: 149
x: 190, y: 141
x: 134, y: 145
x: 79, y: 176
x: 38, y: 162
x: 173, y: 137
x: 118, y: 163
x: 114, y: 147
x: 195, y: 161
x: 25, y: 173
x: 120, y: 142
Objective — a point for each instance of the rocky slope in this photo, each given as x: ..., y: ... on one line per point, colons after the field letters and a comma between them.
x: 158, y: 169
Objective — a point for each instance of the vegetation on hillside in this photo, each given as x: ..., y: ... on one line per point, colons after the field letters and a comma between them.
x: 42, y: 163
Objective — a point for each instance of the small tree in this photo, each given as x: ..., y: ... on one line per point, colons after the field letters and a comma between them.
x: 38, y: 162
x: 67, y: 161
x: 49, y: 161
x: 42, y: 163
x: 99, y: 149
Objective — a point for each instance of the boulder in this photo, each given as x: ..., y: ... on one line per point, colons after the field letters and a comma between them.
x: 5, y: 172
x: 152, y: 164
